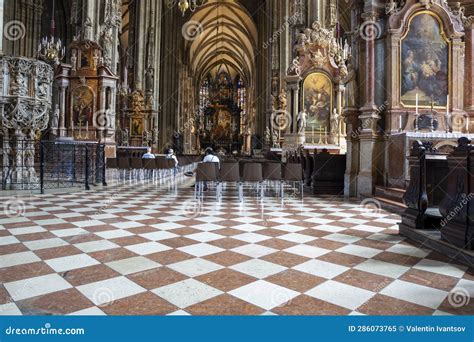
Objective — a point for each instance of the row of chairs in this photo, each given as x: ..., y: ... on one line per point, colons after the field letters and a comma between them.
x: 138, y: 168
x: 257, y: 173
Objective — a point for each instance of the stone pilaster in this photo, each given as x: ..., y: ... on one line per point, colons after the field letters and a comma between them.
x: 369, y: 118
x: 469, y: 72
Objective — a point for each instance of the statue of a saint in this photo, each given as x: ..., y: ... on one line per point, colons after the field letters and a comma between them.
x: 55, y: 118
x: 267, y: 139
x: 301, y: 121
x: 282, y: 101
x: 335, y: 123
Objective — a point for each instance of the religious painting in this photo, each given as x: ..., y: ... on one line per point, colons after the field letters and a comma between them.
x: 83, y: 106
x: 136, y: 127
x: 222, y: 128
x: 317, y: 101
x: 425, y: 62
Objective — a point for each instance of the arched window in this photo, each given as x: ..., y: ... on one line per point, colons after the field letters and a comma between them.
x: 242, y: 101
x: 204, y: 94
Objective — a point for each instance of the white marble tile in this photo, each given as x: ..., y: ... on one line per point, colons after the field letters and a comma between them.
x: 113, y: 234
x: 307, y: 251
x: 9, y: 309
x: 43, y: 244
x: 382, y: 268
x: 258, y: 268
x: 251, y: 237
x: 158, y: 236
x: 132, y: 265
x: 26, y: 230
x: 440, y: 267
x: 321, y: 268
x: 205, y: 236
x: 69, y: 232
x: 264, y: 294
x: 347, y: 296
x: 36, y: 286
x: 8, y: 240
x: 93, y: 311
x: 96, y: 246
x: 148, y: 248
x: 110, y: 290
x: 15, y: 259
x: 414, y: 293
x: 71, y: 262
x: 254, y: 251
x: 360, y: 251
x: 186, y: 293
x: 195, y: 267
x: 201, y: 249
x: 298, y: 238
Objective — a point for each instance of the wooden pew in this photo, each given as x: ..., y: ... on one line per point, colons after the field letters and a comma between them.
x: 428, y: 171
x: 457, y: 207
x: 328, y: 173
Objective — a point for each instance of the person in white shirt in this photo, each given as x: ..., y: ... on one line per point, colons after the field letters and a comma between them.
x: 210, y: 157
x: 148, y: 154
x: 171, y: 155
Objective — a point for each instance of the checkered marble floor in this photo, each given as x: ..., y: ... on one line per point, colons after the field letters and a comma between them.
x: 153, y: 250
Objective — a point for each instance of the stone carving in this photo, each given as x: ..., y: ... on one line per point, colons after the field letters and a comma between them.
x: 321, y: 45
x: 275, y: 139
x: 55, y: 118
x: 335, y: 119
x: 394, y: 6
x: 282, y: 101
x: 137, y: 101
x: 25, y: 105
x: 106, y: 44
x: 295, y: 67
x: 267, y: 139
x: 302, y: 120
x: 298, y: 9
x: 350, y: 93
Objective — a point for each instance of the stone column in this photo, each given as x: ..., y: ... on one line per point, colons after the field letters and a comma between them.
x: 457, y: 91
x: 469, y: 72
x: 369, y: 118
x: 2, y: 3
x: 352, y: 155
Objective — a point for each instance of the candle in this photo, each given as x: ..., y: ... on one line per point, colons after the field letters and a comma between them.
x: 447, y: 105
x: 400, y: 122
x: 416, y: 103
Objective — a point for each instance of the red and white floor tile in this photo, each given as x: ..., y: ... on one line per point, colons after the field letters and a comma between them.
x: 149, y: 250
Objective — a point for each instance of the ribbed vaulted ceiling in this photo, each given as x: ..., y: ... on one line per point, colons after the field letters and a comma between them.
x: 227, y: 41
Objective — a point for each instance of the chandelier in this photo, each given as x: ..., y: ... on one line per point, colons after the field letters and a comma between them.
x: 185, y: 5
x: 51, y: 49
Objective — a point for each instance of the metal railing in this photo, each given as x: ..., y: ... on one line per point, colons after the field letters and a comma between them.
x: 33, y: 165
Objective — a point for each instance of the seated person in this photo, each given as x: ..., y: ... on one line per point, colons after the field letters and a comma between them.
x: 210, y: 157
x: 148, y: 154
x: 170, y: 155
